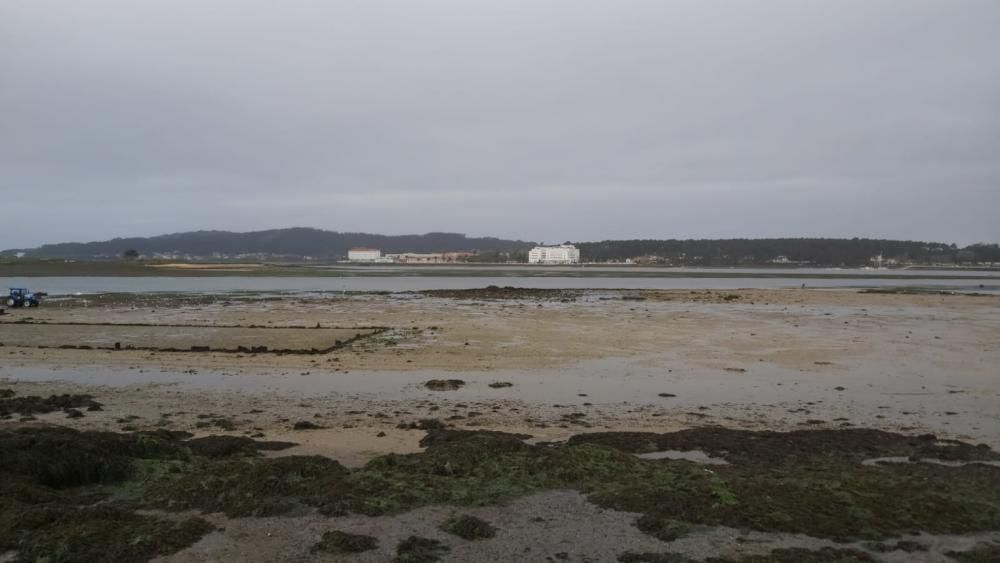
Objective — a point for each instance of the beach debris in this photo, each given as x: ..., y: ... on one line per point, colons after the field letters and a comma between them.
x: 33, y: 404
x: 444, y: 384
x: 422, y: 424
x: 224, y: 424
x: 306, y: 425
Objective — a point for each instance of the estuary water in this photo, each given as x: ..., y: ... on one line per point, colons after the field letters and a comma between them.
x: 416, y: 279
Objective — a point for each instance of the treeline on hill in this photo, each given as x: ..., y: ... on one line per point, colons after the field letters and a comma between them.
x: 326, y: 245
x: 316, y: 243
x: 818, y: 251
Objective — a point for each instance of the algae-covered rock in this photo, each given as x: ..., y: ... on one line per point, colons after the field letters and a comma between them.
x: 802, y: 555
x: 31, y: 404
x: 61, y: 457
x: 632, y: 557
x: 254, y: 487
x: 54, y: 497
x: 232, y: 446
x: 444, y: 384
x: 336, y: 541
x: 469, y: 527
x: 71, y: 534
x: 981, y: 554
x: 415, y: 549
x: 782, y: 448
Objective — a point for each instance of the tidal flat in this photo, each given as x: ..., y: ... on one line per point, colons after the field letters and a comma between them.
x: 748, y: 425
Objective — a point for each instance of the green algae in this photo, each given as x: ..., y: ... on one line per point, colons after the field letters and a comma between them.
x: 336, y: 541
x: 468, y: 527
x: 33, y: 404
x: 632, y: 557
x: 415, y: 549
x: 253, y: 487
x: 57, y: 533
x: 808, y: 482
x: 56, y: 503
x: 799, y: 490
x: 801, y: 555
x: 981, y: 554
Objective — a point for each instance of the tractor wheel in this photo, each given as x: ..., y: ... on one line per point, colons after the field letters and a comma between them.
x: 10, y: 302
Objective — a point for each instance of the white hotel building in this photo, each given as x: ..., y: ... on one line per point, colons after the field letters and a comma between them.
x: 364, y: 255
x: 562, y: 254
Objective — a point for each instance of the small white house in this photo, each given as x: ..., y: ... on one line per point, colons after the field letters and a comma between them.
x: 364, y: 255
x: 562, y: 254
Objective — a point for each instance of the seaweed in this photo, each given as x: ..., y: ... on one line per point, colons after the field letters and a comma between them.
x: 253, y: 487
x: 33, y: 404
x: 809, y: 482
x: 632, y: 557
x: 54, y: 507
x: 444, y: 384
x: 57, y: 533
x: 336, y: 541
x: 469, y: 527
x: 985, y: 553
x: 232, y: 446
x: 802, y: 555
x: 415, y: 549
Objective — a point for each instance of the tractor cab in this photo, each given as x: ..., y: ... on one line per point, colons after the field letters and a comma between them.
x: 21, y: 297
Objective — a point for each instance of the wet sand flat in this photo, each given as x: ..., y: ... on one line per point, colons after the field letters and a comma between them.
x: 546, y: 365
x: 105, y: 335
x: 750, y: 359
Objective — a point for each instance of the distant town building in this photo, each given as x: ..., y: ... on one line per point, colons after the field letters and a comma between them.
x: 562, y: 254
x: 650, y: 259
x: 364, y: 255
x: 430, y: 258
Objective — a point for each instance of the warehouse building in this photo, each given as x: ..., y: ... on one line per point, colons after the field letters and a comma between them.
x: 364, y: 255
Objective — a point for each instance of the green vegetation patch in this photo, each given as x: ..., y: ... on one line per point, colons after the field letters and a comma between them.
x: 469, y: 527
x: 32, y: 404
x: 809, y: 482
x: 336, y: 541
x: 232, y: 446
x: 415, y: 549
x: 981, y: 554
x: 254, y: 487
x: 60, y: 458
x: 801, y: 555
x: 632, y: 557
x: 60, y: 532
x: 811, y: 447
x: 54, y: 497
x: 908, y: 546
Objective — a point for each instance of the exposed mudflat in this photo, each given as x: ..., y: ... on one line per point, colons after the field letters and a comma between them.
x: 346, y: 377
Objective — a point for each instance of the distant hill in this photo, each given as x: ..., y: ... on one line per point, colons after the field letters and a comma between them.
x: 329, y: 245
x: 293, y: 242
x: 844, y: 252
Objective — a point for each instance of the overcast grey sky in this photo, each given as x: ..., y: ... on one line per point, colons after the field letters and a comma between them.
x: 543, y: 120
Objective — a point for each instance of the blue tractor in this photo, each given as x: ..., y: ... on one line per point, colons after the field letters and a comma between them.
x: 21, y: 297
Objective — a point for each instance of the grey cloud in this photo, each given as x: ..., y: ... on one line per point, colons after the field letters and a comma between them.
x: 551, y: 120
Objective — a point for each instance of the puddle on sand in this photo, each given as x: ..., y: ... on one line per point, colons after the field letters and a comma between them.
x: 696, y: 456
x: 948, y: 463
